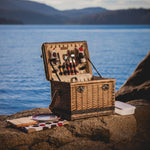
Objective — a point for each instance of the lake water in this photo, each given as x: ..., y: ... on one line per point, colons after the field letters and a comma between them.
x: 115, y: 51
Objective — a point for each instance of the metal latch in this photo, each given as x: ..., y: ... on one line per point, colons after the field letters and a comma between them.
x: 80, y: 89
x: 105, y: 87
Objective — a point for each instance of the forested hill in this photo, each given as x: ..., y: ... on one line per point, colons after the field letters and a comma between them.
x: 129, y: 16
x: 27, y: 12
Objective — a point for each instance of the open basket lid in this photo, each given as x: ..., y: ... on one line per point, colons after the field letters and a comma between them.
x: 54, y: 57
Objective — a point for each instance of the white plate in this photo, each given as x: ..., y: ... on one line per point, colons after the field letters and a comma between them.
x: 44, y: 117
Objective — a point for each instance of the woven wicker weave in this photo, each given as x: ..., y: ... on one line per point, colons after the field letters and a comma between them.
x: 90, y: 96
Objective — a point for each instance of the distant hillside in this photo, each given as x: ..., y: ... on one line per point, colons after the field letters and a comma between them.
x: 129, y: 16
x: 9, y: 21
x: 28, y: 17
x: 27, y: 12
x: 30, y: 12
x: 36, y: 13
x: 25, y: 5
x: 85, y: 12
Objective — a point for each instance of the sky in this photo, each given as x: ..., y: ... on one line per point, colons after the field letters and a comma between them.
x: 109, y: 4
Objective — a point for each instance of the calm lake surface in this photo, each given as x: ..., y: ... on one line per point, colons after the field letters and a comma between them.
x: 115, y: 51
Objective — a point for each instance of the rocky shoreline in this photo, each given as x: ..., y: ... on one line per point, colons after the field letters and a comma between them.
x: 117, y: 133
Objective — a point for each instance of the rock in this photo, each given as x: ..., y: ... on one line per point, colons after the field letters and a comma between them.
x: 136, y: 91
x: 137, y: 85
x: 42, y: 145
x: 142, y: 115
x: 115, y: 129
x: 86, y: 144
x: 21, y: 147
x: 91, y: 128
x: 142, y: 139
x: 61, y: 136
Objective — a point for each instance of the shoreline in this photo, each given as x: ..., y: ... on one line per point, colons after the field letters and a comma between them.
x: 120, y: 131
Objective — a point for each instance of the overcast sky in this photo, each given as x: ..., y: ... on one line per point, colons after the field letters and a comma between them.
x: 109, y: 4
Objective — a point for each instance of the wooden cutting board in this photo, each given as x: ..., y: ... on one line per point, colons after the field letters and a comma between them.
x: 21, y: 122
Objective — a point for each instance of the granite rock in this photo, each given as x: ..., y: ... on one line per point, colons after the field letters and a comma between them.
x: 137, y: 85
x: 102, y: 130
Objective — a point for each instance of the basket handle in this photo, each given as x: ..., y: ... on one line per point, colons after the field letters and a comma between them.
x: 93, y: 66
x: 54, y: 70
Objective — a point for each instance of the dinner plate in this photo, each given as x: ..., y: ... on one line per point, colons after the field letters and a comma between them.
x: 44, y: 117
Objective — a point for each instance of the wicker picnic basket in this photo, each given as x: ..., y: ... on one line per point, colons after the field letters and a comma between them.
x: 75, y: 92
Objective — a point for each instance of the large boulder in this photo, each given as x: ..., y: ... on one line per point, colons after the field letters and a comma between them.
x: 137, y: 85
x: 136, y: 91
